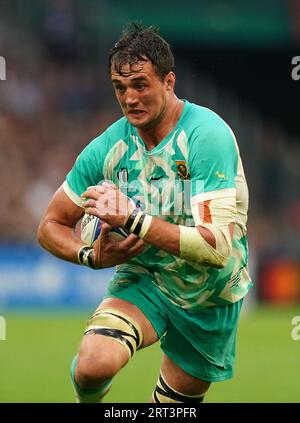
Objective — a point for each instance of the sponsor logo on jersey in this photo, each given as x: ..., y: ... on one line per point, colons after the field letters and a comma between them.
x: 182, y: 171
x: 156, y: 179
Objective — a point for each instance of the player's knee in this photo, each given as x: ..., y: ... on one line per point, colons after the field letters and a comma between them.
x: 93, y: 371
x: 113, y: 324
x: 102, y: 357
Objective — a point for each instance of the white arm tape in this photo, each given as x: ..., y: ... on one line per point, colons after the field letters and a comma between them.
x: 194, y: 248
x: 222, y: 210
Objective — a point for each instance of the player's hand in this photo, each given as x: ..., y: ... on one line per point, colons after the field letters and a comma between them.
x: 108, y: 203
x: 109, y: 252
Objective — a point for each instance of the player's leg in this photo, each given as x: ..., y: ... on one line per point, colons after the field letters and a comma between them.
x: 199, y: 348
x: 113, y: 334
x: 174, y: 385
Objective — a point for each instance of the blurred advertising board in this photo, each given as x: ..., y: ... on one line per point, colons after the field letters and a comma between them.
x: 31, y: 277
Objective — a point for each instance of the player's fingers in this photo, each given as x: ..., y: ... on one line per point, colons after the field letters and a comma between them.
x: 84, y: 195
x: 106, y: 227
x: 89, y: 203
x: 136, y: 249
x: 103, y: 238
x: 129, y: 242
x: 109, y: 185
x: 100, y: 204
x: 93, y: 211
x: 139, y: 243
x: 93, y: 207
x: 98, y: 188
x: 104, y: 235
x: 93, y: 192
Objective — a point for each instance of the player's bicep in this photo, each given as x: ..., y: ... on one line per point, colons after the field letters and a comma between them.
x: 215, y: 210
x: 215, y: 218
x: 63, y: 210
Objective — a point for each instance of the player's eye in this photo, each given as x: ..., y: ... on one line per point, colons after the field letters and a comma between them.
x: 140, y: 87
x: 120, y: 88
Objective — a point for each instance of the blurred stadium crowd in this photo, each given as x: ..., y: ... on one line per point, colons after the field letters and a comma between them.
x: 57, y: 97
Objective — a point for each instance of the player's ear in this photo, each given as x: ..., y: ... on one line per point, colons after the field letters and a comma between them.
x: 170, y: 79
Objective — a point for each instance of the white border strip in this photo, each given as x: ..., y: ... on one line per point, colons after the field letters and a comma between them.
x: 212, y: 195
x: 72, y: 195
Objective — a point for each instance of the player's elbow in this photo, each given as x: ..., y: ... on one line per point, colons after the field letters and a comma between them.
x: 196, y: 248
x: 41, y: 233
x: 216, y: 259
x: 222, y: 252
x: 220, y: 260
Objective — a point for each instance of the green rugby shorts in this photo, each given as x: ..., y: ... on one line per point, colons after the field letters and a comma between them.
x: 202, y: 343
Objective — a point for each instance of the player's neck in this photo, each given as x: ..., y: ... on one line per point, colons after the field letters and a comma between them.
x: 154, y: 135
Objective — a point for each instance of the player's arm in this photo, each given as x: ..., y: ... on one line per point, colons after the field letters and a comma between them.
x: 209, y: 243
x: 56, y: 233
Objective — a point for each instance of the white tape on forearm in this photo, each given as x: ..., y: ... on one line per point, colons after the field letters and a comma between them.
x: 194, y: 248
x: 222, y: 211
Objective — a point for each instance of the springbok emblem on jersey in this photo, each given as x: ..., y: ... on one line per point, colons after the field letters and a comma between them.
x: 220, y: 175
x: 182, y: 171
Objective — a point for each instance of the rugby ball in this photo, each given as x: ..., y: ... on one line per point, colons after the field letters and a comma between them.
x: 91, y: 228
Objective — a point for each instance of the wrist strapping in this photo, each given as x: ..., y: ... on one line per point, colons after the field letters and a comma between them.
x: 85, y: 256
x: 138, y: 223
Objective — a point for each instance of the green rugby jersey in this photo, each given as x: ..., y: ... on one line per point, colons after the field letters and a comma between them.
x: 198, y: 161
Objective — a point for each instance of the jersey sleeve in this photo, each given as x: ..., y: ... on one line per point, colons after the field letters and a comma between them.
x: 213, y: 159
x: 87, y: 170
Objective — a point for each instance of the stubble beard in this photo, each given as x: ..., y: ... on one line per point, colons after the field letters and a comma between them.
x: 153, y: 122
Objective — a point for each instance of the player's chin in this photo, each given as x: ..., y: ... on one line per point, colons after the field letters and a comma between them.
x: 139, y: 120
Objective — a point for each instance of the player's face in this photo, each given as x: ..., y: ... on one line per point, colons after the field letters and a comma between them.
x: 142, y: 95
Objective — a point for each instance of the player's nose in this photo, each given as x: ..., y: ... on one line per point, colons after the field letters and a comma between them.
x: 131, y: 98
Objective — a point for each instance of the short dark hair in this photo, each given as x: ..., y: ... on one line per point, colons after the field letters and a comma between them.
x: 140, y: 43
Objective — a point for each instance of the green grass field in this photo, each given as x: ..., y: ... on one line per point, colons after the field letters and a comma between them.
x: 35, y: 359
